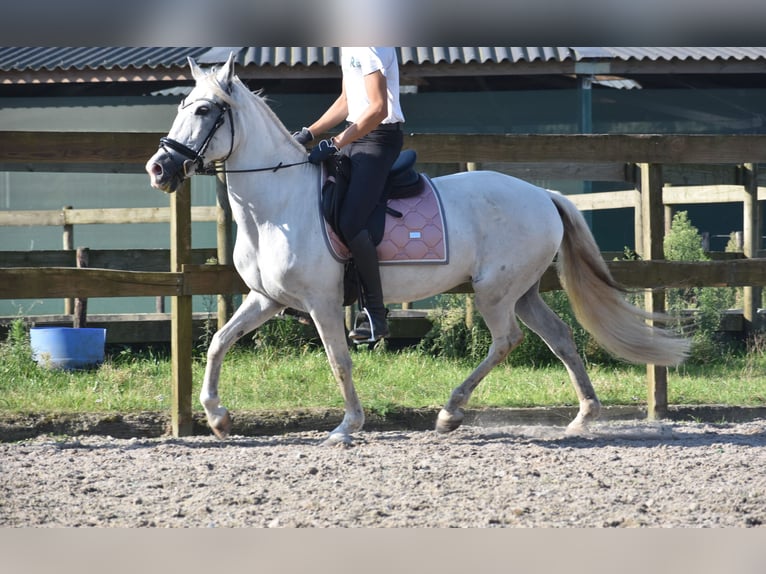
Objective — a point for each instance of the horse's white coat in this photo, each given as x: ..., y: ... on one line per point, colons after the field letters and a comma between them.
x: 503, y: 234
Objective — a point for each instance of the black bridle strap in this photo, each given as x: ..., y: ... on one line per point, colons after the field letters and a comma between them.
x: 197, y: 157
x: 185, y: 151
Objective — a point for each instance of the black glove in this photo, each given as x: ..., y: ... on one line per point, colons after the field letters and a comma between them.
x: 324, y: 150
x: 304, y: 136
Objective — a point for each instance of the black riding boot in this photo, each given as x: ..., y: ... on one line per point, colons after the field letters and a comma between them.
x: 374, y: 326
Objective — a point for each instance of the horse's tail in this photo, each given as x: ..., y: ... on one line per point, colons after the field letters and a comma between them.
x: 598, y: 300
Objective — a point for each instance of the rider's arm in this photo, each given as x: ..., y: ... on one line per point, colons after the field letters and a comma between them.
x: 377, y: 110
x: 335, y: 114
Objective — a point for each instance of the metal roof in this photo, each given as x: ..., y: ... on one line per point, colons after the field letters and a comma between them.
x: 25, y: 65
x: 323, y: 56
x: 695, y: 53
x: 80, y: 58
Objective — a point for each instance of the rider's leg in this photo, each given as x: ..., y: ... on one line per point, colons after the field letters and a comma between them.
x: 366, y: 260
x: 371, y: 159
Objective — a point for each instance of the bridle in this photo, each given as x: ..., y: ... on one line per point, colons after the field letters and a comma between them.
x: 197, y: 157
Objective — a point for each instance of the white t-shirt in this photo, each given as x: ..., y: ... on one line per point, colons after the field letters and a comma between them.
x: 359, y: 62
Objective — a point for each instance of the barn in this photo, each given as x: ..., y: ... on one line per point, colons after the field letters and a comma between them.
x: 546, y: 90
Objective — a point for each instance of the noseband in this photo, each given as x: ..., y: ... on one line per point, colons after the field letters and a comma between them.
x: 197, y: 157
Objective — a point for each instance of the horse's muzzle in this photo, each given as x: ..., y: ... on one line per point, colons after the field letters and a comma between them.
x: 167, y: 170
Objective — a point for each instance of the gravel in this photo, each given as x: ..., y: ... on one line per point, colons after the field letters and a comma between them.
x: 623, y: 474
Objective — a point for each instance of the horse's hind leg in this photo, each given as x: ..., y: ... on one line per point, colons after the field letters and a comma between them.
x: 254, y: 311
x: 506, y: 334
x: 533, y: 311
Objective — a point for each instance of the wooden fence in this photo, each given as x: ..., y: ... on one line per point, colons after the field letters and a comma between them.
x: 660, y: 171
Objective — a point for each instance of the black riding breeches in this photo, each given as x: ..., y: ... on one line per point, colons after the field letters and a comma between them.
x: 371, y: 159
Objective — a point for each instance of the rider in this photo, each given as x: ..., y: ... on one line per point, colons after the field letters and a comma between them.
x: 372, y: 139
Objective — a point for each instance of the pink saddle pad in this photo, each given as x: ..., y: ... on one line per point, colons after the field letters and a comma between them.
x: 419, y: 236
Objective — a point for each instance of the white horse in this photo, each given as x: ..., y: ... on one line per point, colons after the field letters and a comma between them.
x: 504, y: 233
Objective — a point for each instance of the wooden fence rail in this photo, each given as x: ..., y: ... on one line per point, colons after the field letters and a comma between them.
x: 207, y: 279
x: 128, y: 152
x: 118, y: 215
x: 641, y: 160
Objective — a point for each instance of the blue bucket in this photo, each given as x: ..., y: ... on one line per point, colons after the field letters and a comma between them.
x: 66, y: 347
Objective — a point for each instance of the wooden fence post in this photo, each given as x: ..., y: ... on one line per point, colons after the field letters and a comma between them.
x: 653, y: 223
x: 67, y: 245
x: 181, y: 313
x: 751, y: 243
x: 81, y: 303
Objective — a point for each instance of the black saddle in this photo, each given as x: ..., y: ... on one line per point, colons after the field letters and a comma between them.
x: 403, y: 181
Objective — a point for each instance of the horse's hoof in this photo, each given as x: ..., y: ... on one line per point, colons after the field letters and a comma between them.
x: 447, y: 422
x: 338, y: 439
x: 589, y: 412
x: 222, y: 426
x: 578, y: 428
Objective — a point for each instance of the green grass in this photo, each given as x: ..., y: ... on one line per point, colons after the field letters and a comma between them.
x: 266, y: 379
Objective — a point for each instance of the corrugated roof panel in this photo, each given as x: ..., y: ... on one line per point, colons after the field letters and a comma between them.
x: 25, y: 58
x: 81, y: 58
x: 417, y: 55
x: 686, y: 53
x: 289, y: 56
x: 480, y: 54
x: 32, y: 58
x: 218, y: 54
x: 324, y: 56
x: 590, y: 52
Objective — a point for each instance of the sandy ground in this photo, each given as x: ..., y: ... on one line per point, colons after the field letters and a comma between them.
x: 624, y: 474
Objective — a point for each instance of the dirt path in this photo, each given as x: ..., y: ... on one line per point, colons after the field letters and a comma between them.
x: 626, y: 474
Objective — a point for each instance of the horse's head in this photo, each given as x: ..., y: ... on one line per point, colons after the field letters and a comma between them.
x: 194, y: 141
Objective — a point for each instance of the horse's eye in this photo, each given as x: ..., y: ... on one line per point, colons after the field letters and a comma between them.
x: 202, y: 111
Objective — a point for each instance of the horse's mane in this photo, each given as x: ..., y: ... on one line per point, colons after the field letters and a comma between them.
x: 238, y: 86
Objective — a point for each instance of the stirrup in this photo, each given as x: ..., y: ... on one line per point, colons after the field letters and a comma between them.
x: 364, y: 329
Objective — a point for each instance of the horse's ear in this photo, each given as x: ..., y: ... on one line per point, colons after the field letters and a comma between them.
x: 226, y: 73
x: 196, y: 71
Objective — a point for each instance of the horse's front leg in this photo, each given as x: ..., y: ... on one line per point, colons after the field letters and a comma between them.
x: 332, y: 331
x: 255, y: 310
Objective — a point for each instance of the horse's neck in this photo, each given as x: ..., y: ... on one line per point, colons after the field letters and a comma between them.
x: 269, y: 196
x: 262, y: 140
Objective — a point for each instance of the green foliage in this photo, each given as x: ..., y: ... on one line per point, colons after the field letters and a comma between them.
x: 286, y: 334
x: 450, y: 335
x: 684, y: 242
x: 704, y: 305
x: 454, y: 337
x: 457, y: 336
x: 15, y: 352
x: 210, y: 325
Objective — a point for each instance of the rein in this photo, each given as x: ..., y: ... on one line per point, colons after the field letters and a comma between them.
x: 215, y: 170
